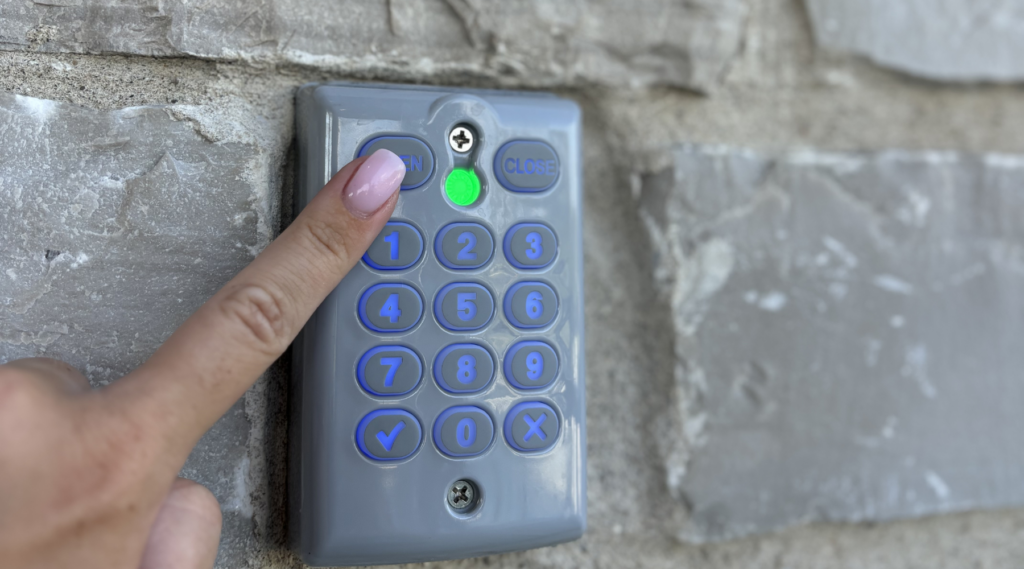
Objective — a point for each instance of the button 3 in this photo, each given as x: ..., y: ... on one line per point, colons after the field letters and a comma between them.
x: 463, y: 368
x: 389, y: 370
x: 530, y: 305
x: 464, y: 306
x: 531, y: 365
x: 388, y: 434
x: 398, y: 246
x: 418, y: 158
x: 526, y: 166
x: 530, y: 245
x: 464, y: 431
x: 390, y: 307
x: 531, y: 427
x: 464, y: 246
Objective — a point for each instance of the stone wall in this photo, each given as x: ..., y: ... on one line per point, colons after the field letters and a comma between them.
x: 804, y: 263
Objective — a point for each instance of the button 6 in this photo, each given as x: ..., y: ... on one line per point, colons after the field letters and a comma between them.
x: 530, y: 305
x: 388, y: 434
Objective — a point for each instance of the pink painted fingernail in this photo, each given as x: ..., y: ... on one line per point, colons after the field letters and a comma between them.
x: 373, y: 183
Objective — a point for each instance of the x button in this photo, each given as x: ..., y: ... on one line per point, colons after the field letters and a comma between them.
x: 531, y: 426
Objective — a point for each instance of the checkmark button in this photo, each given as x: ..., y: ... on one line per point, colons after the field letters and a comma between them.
x: 388, y: 434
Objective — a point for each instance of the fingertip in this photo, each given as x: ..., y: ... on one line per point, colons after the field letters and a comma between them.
x: 186, y: 532
x: 375, y: 181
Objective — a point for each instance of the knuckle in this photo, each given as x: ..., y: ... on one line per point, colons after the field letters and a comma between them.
x: 259, y: 312
x: 328, y: 239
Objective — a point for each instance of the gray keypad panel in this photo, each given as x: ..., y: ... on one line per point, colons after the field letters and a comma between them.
x: 531, y: 427
x: 530, y: 245
x: 462, y: 432
x: 531, y: 305
x: 389, y: 370
x: 464, y: 306
x: 463, y: 368
x: 531, y: 365
x: 398, y: 246
x: 464, y: 246
x: 390, y: 307
x: 389, y: 434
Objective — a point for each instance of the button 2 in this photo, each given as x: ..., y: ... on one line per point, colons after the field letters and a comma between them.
x: 389, y: 370
x: 531, y: 365
x: 418, y: 158
x: 390, y: 307
x: 463, y: 368
x: 530, y: 305
x: 526, y: 166
x: 388, y: 434
x: 463, y: 431
x: 530, y: 245
x: 531, y: 427
x: 464, y: 306
x: 398, y: 246
x: 464, y: 246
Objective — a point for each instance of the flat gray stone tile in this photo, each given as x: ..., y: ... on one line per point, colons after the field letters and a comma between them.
x: 847, y: 333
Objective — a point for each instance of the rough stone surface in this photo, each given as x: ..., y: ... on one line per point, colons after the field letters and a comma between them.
x: 845, y: 330
x: 524, y: 42
x: 945, y: 40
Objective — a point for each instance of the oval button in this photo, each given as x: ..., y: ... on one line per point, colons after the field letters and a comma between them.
x: 390, y: 307
x: 389, y: 370
x: 464, y: 306
x: 464, y: 246
x: 398, y: 246
x: 463, y: 368
x: 531, y: 427
x: 530, y: 245
x: 526, y: 166
x: 463, y: 431
x: 530, y: 305
x: 388, y: 434
x: 418, y: 158
x: 531, y: 365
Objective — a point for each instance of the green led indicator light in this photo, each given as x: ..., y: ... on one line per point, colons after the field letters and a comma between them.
x: 462, y: 186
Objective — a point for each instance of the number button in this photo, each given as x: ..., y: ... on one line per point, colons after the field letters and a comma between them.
x: 464, y: 306
x: 531, y: 427
x: 463, y: 431
x: 389, y: 370
x: 463, y: 246
x: 531, y: 365
x: 530, y: 305
x: 388, y: 434
x: 398, y: 246
x: 530, y: 245
x: 463, y: 368
x: 390, y: 308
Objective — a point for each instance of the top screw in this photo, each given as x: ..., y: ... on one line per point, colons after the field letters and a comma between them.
x: 461, y: 139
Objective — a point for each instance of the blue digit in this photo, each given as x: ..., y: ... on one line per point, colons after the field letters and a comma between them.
x: 467, y: 370
x: 465, y: 432
x: 393, y: 240
x: 534, y: 365
x: 394, y: 364
x: 465, y: 305
x: 534, y: 305
x: 467, y: 254
x: 535, y: 241
x: 390, y: 309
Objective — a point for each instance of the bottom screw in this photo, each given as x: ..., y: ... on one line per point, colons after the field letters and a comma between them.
x: 461, y: 495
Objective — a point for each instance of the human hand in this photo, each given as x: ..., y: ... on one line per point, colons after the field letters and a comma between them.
x: 88, y: 478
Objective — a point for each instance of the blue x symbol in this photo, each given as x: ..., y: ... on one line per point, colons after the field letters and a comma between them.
x: 534, y: 427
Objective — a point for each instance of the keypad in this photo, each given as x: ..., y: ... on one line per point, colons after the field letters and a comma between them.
x: 464, y: 431
x: 530, y: 305
x: 398, y: 246
x: 530, y: 246
x: 463, y: 368
x: 463, y: 246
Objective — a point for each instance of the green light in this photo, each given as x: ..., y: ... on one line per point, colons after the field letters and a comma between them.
x: 462, y: 186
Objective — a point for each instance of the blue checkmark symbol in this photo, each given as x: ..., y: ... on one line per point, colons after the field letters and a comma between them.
x: 387, y: 441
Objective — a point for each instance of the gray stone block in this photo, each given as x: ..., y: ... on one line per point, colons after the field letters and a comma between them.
x: 520, y: 42
x: 846, y: 333
x: 946, y: 40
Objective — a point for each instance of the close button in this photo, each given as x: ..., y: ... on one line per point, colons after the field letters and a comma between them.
x: 418, y: 158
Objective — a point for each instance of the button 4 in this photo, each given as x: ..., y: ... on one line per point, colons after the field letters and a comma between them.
x: 461, y: 432
x: 464, y: 306
x: 530, y: 305
x: 464, y: 246
x: 390, y: 307
x: 398, y: 246
x: 418, y: 158
x: 463, y: 368
x: 388, y: 434
x: 531, y: 427
x: 530, y: 245
x: 531, y: 365
x: 389, y: 370
x: 526, y: 166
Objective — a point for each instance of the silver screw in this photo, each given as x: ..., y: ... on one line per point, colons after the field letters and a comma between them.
x: 461, y: 139
x: 461, y: 495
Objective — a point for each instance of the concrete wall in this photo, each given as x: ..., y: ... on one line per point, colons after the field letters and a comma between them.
x: 146, y: 158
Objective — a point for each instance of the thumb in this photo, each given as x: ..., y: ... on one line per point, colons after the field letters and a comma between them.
x: 186, y: 531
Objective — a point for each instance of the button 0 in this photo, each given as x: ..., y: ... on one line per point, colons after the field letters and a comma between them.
x: 526, y: 166
x: 463, y: 368
x: 464, y: 306
x: 530, y: 305
x: 464, y: 246
x: 531, y: 427
x: 531, y: 365
x: 398, y: 246
x: 389, y: 370
x: 390, y: 307
x: 418, y: 158
x: 388, y: 434
x: 463, y: 431
x: 530, y: 245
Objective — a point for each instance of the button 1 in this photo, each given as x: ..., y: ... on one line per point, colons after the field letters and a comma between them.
x: 464, y: 306
x: 526, y: 166
x: 531, y: 427
x: 530, y: 305
x: 464, y: 246
x: 463, y: 431
x: 463, y: 368
x: 388, y: 434
x: 418, y: 158
x: 390, y: 307
x: 531, y: 365
x: 530, y: 245
x: 398, y: 246
x: 389, y: 370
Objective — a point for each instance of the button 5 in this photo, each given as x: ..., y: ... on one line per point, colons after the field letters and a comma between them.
x: 464, y: 306
x: 530, y: 245
x: 389, y: 370
x: 418, y: 158
x: 464, y: 246
x: 398, y: 246
x: 526, y: 166
x: 464, y: 431
x: 530, y: 305
x: 531, y: 427
x: 390, y: 307
x: 463, y: 368
x: 388, y: 434
x: 531, y: 365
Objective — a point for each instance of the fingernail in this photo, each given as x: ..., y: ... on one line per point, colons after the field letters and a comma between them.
x: 373, y: 183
